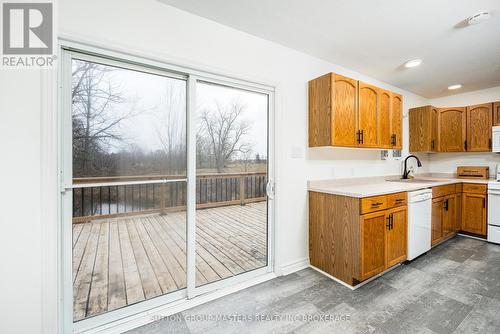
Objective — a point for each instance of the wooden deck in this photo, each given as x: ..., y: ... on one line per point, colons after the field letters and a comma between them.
x: 122, y: 261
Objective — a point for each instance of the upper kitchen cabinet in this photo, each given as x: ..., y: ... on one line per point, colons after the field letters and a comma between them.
x: 479, y: 122
x: 333, y: 111
x: 496, y: 113
x: 451, y: 129
x: 396, y: 121
x: 349, y: 113
x: 459, y: 129
x: 368, y: 115
x: 423, y: 124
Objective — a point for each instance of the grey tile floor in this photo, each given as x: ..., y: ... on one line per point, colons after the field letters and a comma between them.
x: 455, y: 288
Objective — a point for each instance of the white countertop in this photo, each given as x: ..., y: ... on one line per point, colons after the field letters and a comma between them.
x: 381, y: 185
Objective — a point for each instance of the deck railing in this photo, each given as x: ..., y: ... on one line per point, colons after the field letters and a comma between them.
x: 115, y: 196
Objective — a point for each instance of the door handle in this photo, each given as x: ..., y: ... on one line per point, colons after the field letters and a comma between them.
x: 270, y: 189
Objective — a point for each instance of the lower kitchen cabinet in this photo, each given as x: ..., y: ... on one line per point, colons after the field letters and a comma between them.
x: 354, y: 239
x: 460, y: 208
x: 397, y: 236
x: 373, y: 241
x: 444, y: 213
x: 474, y: 213
x: 437, y: 220
x: 449, y: 215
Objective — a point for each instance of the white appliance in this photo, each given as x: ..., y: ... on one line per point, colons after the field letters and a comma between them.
x: 494, y: 211
x: 419, y: 222
x: 495, y: 139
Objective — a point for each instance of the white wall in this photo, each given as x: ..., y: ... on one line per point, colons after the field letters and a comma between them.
x: 448, y: 162
x: 149, y: 27
x: 20, y: 248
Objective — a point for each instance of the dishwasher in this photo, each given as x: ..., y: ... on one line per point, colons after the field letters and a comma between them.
x: 419, y: 222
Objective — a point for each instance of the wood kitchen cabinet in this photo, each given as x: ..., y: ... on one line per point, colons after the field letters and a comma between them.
x: 349, y: 113
x: 479, y: 123
x: 396, y: 122
x: 496, y: 113
x: 373, y: 240
x: 369, y: 110
x: 458, y: 129
x: 444, y: 212
x: 451, y: 129
x: 474, y: 201
x: 397, y: 238
x: 354, y: 239
x: 423, y: 124
x: 333, y: 111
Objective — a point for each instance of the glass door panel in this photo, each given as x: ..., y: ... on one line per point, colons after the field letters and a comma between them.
x: 231, y: 179
x: 129, y: 186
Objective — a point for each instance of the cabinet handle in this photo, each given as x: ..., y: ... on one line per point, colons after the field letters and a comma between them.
x: 362, y: 137
x: 392, y: 221
x: 489, y: 143
x: 446, y: 205
x: 465, y: 145
x: 432, y: 144
x: 388, y: 225
x: 377, y: 204
x: 358, y: 136
x: 399, y: 200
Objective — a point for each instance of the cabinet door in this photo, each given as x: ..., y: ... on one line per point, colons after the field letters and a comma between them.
x: 449, y: 215
x: 396, y: 121
x: 458, y: 220
x: 451, y: 129
x: 397, y: 236
x: 344, y: 111
x: 368, y: 115
x: 474, y: 213
x: 479, y: 122
x: 437, y: 220
x: 384, y: 119
x: 496, y: 113
x: 373, y: 227
x: 434, y: 130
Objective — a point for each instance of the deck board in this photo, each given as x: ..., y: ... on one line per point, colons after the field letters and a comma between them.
x: 122, y: 261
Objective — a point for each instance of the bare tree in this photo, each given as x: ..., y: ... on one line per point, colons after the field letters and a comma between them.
x: 93, y: 97
x: 171, y: 126
x: 225, y: 130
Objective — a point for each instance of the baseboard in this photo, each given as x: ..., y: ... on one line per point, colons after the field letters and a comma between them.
x: 294, y: 266
x: 358, y: 285
x: 471, y: 236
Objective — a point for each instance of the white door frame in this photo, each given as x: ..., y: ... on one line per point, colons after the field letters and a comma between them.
x: 130, y: 61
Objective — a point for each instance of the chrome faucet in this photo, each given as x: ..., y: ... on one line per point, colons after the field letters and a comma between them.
x: 406, y: 172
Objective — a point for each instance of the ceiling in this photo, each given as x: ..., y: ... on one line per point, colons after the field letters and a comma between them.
x: 376, y: 37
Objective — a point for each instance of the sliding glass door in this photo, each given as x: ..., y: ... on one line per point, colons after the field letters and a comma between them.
x: 129, y: 186
x: 231, y: 181
x: 166, y: 186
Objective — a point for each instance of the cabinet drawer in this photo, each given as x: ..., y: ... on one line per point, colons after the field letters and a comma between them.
x: 443, y: 190
x: 398, y: 199
x: 474, y: 188
x: 372, y: 204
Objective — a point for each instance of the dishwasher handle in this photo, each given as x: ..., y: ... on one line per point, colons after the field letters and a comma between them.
x: 420, y: 198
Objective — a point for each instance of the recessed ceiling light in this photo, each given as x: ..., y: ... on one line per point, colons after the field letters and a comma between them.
x: 453, y: 87
x: 478, y: 18
x: 413, y: 63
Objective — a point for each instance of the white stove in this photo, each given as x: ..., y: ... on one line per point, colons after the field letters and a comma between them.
x: 494, y: 212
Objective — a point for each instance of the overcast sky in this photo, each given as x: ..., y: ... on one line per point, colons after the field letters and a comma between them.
x: 145, y: 94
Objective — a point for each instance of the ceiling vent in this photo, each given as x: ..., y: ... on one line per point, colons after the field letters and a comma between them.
x: 478, y: 18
